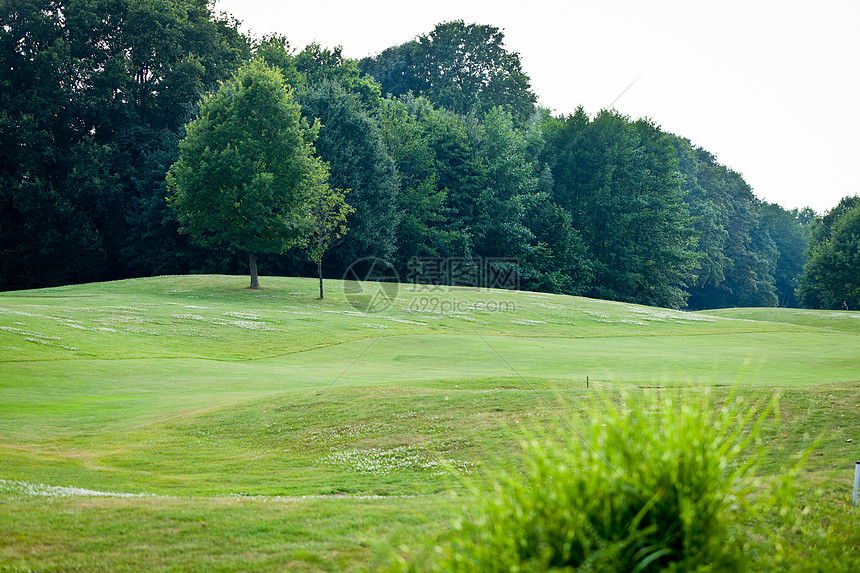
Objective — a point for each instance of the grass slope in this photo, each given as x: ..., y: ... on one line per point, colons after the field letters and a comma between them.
x: 194, y: 390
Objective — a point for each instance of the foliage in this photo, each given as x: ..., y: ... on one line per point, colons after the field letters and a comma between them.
x: 394, y: 69
x: 455, y: 162
x: 322, y: 65
x: 352, y: 144
x: 737, y: 256
x: 558, y: 260
x: 618, y: 180
x: 832, y: 274
x: 461, y: 173
x: 514, y: 184
x: 328, y: 215
x: 661, y: 483
x: 92, y: 96
x: 424, y: 226
x: 823, y: 226
x: 275, y: 50
x: 461, y: 67
x: 246, y: 167
x: 790, y: 236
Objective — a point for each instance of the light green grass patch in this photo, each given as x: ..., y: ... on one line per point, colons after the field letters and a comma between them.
x: 194, y: 390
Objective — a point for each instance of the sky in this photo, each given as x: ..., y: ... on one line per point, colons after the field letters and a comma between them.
x: 771, y: 88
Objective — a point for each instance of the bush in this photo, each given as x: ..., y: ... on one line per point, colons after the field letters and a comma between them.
x: 661, y: 483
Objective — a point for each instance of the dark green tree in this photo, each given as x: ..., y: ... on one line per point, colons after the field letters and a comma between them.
x: 737, y: 268
x: 557, y: 259
x: 394, y: 69
x: 619, y: 181
x: 791, y: 238
x: 746, y: 252
x: 350, y: 141
x: 323, y: 65
x: 54, y: 175
x: 708, y: 217
x: 93, y: 95
x: 822, y: 226
x: 832, y: 274
x: 423, y: 228
x: 466, y: 67
x: 516, y: 183
x: 246, y: 168
x: 461, y: 172
x: 460, y: 67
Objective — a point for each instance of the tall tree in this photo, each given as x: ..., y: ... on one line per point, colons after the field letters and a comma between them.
x: 394, y: 69
x: 557, y: 259
x: 275, y: 50
x: 832, y: 274
x: 618, y: 179
x: 352, y: 144
x: 746, y: 251
x: 321, y: 65
x: 747, y: 261
x: 246, y: 167
x: 822, y: 227
x: 461, y: 67
x: 708, y: 217
x: 423, y: 229
x: 462, y: 173
x: 791, y: 238
x: 93, y: 95
x: 514, y: 185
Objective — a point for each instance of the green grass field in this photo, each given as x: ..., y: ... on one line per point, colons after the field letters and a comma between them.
x: 188, y: 423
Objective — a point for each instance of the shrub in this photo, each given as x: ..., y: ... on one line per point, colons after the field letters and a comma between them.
x: 664, y: 482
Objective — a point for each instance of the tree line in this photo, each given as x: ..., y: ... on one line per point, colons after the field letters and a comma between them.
x: 439, y: 142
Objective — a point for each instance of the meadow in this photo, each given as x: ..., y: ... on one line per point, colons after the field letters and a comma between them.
x: 189, y: 423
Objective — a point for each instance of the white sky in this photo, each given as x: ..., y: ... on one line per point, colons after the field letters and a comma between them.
x: 771, y: 88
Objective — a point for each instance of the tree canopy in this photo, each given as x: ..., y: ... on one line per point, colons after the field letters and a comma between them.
x: 460, y: 67
x: 619, y: 181
x: 93, y: 96
x: 246, y: 167
x: 438, y: 141
x: 832, y: 274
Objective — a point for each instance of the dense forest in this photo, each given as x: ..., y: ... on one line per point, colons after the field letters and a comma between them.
x: 439, y: 142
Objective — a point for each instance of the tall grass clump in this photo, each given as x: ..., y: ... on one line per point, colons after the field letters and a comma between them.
x: 664, y: 481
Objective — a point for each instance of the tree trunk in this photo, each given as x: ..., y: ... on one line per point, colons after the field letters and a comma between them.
x: 319, y: 271
x: 252, y: 263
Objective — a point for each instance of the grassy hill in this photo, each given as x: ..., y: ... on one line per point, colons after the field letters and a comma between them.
x: 306, y: 431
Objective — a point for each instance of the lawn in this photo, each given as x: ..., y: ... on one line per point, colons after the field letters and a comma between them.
x: 189, y: 423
